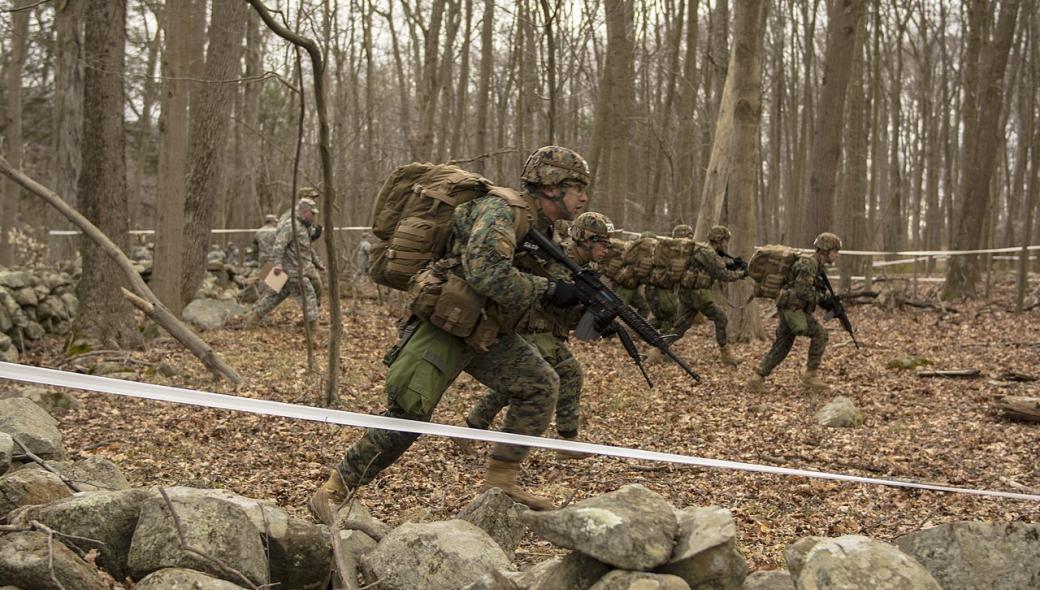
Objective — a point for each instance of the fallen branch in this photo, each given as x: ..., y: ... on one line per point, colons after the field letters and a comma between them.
x: 955, y: 374
x: 1020, y: 407
x: 35, y: 459
x: 160, y: 314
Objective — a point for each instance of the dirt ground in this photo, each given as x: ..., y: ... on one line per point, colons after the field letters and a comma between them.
x: 936, y: 430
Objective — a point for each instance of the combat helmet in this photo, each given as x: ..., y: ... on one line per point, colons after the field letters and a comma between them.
x: 719, y: 233
x: 307, y: 192
x: 827, y: 241
x: 270, y: 218
x: 552, y: 165
x: 590, y: 226
x: 682, y: 231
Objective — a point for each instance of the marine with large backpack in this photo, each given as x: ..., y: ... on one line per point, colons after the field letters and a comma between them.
x: 473, y: 266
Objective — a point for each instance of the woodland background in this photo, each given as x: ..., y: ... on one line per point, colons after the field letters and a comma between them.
x: 899, y: 124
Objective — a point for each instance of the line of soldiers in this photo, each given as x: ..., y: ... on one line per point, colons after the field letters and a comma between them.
x: 527, y: 367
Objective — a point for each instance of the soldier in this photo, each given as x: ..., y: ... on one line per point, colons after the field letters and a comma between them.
x: 699, y: 299
x: 483, y: 246
x: 547, y: 330
x: 263, y: 241
x: 215, y: 254
x: 682, y: 231
x: 662, y: 302
x: 306, y: 211
x: 795, y: 305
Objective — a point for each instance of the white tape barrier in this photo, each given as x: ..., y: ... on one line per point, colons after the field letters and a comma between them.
x: 284, y: 410
x: 148, y: 232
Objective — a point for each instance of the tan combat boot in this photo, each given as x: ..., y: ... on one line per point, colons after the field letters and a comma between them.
x: 502, y: 475
x: 811, y: 380
x: 571, y: 455
x: 325, y: 502
x: 726, y: 356
x: 756, y: 383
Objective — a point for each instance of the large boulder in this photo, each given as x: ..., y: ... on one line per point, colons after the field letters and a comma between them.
x: 300, y: 552
x: 623, y: 580
x: 210, y: 314
x: 853, y: 562
x: 769, y: 580
x: 6, y: 452
x: 705, y: 553
x: 106, y: 517
x: 53, y: 401
x: 631, y: 528
x: 969, y: 555
x: 212, y: 526
x: 93, y: 474
x: 499, y: 516
x: 176, y: 578
x: 27, y: 560
x: 575, y: 571
x: 30, y: 425
x: 840, y: 412
x: 351, y: 546
x: 433, y: 556
x: 28, y: 487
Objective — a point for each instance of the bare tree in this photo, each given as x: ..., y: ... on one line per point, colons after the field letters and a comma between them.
x: 68, y: 115
x: 9, y: 191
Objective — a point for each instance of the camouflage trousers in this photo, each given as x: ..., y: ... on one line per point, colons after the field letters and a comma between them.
x: 634, y: 298
x: 794, y: 323
x: 272, y: 299
x: 694, y: 301
x: 665, y: 307
x: 554, y: 350
x: 511, y: 366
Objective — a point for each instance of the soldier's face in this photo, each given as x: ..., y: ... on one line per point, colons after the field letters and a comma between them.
x: 574, y: 200
x: 829, y: 257
x: 599, y: 250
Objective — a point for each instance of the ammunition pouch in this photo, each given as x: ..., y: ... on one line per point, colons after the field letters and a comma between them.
x: 451, y: 304
x: 695, y: 279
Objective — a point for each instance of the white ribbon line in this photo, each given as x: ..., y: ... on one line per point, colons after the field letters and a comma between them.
x: 284, y: 410
x: 148, y: 232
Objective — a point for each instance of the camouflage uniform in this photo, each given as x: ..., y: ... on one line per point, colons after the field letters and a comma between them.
x: 795, y: 306
x: 701, y: 299
x: 485, y: 243
x: 263, y: 243
x: 546, y: 329
x: 664, y: 304
x: 634, y: 298
x: 285, y: 255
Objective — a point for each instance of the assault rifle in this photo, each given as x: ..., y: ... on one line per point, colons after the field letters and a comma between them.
x: 603, y: 308
x: 835, y: 308
x: 735, y: 263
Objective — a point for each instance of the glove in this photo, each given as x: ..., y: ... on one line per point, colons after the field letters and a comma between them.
x: 828, y: 303
x: 562, y: 294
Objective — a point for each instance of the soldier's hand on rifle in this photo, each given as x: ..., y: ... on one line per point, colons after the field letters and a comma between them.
x: 562, y: 294
x: 829, y: 302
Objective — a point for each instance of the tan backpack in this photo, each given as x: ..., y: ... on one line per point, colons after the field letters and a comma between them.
x: 413, y: 217
x: 769, y: 266
x: 637, y: 263
x: 695, y: 277
x: 671, y: 259
x: 614, y: 260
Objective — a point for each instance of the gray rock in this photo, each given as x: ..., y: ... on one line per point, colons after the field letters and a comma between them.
x: 6, y: 452
x: 210, y: 314
x: 8, y: 353
x: 27, y: 487
x: 351, y: 546
x: 213, y: 526
x: 53, y: 401
x: 623, y: 580
x: 796, y: 552
x: 769, y: 580
x: 176, y: 578
x: 499, y: 516
x: 93, y: 474
x: 25, y: 296
x: 14, y: 279
x: 705, y: 553
x: 71, y: 304
x: 853, y: 562
x: 970, y: 555
x: 33, y: 427
x: 106, y: 517
x: 34, y: 331
x: 355, y: 513
x: 5, y: 320
x: 52, y: 308
x: 433, y: 556
x: 840, y: 412
x: 630, y: 528
x: 576, y: 571
x: 26, y: 561
x: 496, y: 580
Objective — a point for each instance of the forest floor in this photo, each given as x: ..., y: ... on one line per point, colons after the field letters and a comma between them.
x: 935, y: 430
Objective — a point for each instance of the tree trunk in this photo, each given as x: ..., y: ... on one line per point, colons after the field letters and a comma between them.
x: 982, y: 137
x: 68, y: 119
x: 207, y: 134
x: 431, y: 82
x: 853, y: 198
x: 615, y: 172
x: 104, y: 316
x: 733, y: 168
x: 10, y: 192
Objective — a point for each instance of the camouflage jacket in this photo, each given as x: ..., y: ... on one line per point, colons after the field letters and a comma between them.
x: 802, y: 290
x: 544, y: 317
x: 285, y: 251
x: 263, y: 243
x: 714, y: 267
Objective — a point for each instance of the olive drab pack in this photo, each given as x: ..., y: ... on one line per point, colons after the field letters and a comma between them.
x: 769, y: 266
x: 694, y: 276
x: 637, y: 263
x: 612, y: 262
x: 671, y: 259
x: 413, y: 217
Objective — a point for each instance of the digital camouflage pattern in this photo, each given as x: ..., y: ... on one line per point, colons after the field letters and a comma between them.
x: 682, y: 231
x: 718, y: 233
x: 263, y: 243
x: 827, y: 241
x: 552, y: 165
x: 634, y: 298
x: 284, y: 254
x: 272, y: 299
x: 590, y: 225
x: 484, y: 242
x: 795, y: 305
x: 702, y: 300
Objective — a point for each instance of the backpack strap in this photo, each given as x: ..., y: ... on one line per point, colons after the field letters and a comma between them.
x: 523, y: 209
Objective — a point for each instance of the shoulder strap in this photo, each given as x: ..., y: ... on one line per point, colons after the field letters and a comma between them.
x: 523, y: 209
